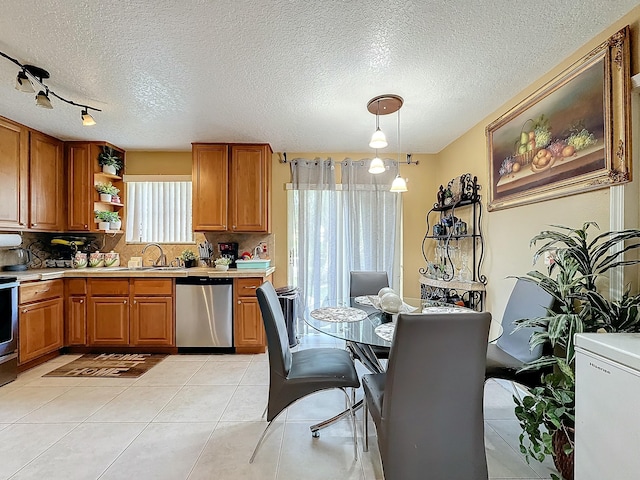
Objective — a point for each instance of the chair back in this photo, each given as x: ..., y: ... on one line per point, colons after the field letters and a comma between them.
x: 432, y: 418
x: 527, y: 300
x: 367, y: 282
x: 276, y: 330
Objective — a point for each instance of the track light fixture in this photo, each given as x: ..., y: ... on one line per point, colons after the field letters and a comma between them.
x: 31, y: 76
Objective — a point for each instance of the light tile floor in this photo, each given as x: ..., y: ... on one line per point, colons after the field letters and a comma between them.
x: 199, y: 417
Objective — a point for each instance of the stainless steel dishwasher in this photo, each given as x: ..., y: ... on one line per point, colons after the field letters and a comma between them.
x: 204, y: 313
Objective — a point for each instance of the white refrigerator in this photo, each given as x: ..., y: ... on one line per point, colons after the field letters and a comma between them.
x: 607, y: 438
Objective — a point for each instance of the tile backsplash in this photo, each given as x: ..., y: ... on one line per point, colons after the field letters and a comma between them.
x: 42, y: 249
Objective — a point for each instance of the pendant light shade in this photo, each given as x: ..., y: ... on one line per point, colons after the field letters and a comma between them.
x: 378, y: 139
x: 42, y: 100
x: 399, y: 185
x: 23, y: 84
x: 87, y: 119
x: 376, y: 166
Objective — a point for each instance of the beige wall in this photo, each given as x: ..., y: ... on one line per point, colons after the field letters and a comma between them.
x: 509, y: 231
x: 158, y: 163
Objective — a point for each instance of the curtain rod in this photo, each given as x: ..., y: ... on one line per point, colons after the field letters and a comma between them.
x: 283, y: 159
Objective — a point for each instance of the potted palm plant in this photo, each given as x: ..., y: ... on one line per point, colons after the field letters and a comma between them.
x: 547, y: 413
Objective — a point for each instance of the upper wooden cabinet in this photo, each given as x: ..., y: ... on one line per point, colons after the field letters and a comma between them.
x: 47, y: 205
x: 84, y: 174
x: 14, y: 170
x: 231, y: 187
x: 32, y: 179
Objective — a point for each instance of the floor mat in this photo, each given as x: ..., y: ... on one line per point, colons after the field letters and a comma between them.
x: 117, y: 365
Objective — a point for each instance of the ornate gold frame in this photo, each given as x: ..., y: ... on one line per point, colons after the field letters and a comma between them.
x: 617, y: 136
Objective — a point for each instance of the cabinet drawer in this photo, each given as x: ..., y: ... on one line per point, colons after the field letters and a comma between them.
x: 152, y: 286
x: 35, y: 291
x: 116, y: 286
x: 246, y: 287
x: 76, y: 286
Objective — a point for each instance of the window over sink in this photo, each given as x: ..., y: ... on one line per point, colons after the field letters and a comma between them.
x: 158, y: 211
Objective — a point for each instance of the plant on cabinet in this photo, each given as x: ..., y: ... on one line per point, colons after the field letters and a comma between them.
x: 189, y: 258
x: 107, y: 191
x: 108, y: 220
x: 110, y: 161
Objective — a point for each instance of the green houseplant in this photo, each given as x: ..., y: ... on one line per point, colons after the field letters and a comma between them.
x: 110, y: 161
x: 108, y: 190
x: 189, y: 258
x: 547, y: 413
x: 108, y: 220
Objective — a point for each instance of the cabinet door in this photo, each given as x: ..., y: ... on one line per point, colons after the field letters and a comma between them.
x: 47, y: 202
x: 248, y: 329
x: 81, y: 191
x: 250, y: 187
x: 14, y: 168
x: 152, y: 321
x: 76, y: 320
x: 108, y: 321
x: 40, y: 329
x: 210, y: 178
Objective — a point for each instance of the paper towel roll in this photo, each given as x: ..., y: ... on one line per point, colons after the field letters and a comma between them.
x: 10, y: 240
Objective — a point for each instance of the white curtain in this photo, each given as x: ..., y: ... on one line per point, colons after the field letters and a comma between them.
x: 335, y: 230
x: 371, y: 215
x: 159, y: 212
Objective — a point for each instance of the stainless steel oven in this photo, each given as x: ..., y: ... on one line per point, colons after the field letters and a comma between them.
x: 8, y: 329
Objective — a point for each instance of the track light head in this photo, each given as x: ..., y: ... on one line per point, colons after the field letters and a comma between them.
x: 23, y: 83
x: 87, y: 119
x: 42, y: 100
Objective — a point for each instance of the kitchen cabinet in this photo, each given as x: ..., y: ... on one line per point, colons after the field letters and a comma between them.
x: 84, y: 173
x: 152, y: 312
x: 231, y: 187
x: 47, y: 201
x: 14, y: 170
x: 41, y: 319
x: 135, y: 312
x: 248, y: 328
x: 75, y: 311
x: 33, y: 182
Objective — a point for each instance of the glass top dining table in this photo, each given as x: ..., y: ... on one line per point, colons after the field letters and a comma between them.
x: 356, y: 319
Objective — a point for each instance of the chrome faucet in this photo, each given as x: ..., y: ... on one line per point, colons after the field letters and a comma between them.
x: 161, y: 261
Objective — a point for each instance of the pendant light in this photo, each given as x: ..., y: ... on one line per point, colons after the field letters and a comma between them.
x: 376, y: 165
x: 399, y: 185
x: 382, y: 105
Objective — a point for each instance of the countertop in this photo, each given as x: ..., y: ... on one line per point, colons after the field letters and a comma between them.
x: 113, y: 272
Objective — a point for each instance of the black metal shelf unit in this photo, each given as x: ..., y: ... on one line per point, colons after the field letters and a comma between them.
x: 447, y: 278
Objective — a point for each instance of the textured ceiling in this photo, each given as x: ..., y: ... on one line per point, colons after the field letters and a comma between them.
x: 294, y: 73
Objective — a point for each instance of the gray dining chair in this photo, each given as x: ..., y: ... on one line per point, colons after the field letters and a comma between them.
x: 368, y: 282
x: 294, y: 375
x: 427, y: 406
x: 512, y: 350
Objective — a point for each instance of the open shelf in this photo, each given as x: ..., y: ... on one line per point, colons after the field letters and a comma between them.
x: 108, y: 175
x: 110, y: 203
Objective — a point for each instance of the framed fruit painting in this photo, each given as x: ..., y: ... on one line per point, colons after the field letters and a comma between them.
x: 571, y: 136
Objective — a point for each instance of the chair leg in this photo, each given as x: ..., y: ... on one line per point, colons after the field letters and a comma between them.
x: 264, y: 433
x: 365, y: 425
x: 353, y: 424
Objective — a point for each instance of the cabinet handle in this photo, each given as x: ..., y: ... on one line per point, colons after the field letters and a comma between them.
x: 125, y: 302
x: 252, y: 287
x: 25, y: 310
x: 234, y: 227
x: 239, y: 302
x: 85, y: 226
x: 224, y: 226
x: 81, y: 301
x: 135, y: 302
x: 34, y: 224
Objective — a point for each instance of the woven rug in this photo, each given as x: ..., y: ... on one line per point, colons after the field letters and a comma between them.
x: 114, y: 365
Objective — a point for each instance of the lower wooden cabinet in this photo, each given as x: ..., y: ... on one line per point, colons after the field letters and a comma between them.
x: 76, y: 320
x: 152, y: 321
x: 127, y: 312
x: 248, y: 328
x: 41, y: 319
x: 108, y: 321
